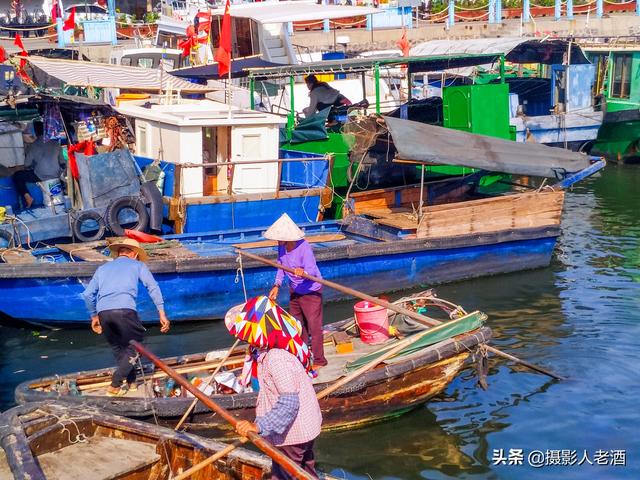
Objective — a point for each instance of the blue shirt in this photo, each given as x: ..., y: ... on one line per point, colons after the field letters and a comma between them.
x: 115, y: 285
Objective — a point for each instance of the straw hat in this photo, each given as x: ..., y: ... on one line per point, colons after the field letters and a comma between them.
x: 131, y: 244
x: 284, y: 230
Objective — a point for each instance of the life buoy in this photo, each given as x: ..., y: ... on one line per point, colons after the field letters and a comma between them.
x: 112, y: 214
x: 81, y: 219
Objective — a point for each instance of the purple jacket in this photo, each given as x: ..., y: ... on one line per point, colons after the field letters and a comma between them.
x: 300, y: 257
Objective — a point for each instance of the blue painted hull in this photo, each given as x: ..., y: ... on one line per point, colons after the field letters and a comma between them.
x: 209, y: 293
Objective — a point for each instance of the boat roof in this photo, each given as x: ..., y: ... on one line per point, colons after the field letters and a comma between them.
x: 416, y: 64
x: 205, y: 113
x: 294, y: 11
x: 516, y: 50
x: 239, y: 68
x: 422, y: 143
x: 104, y: 75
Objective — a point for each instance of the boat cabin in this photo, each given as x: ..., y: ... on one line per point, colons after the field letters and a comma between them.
x: 618, y: 87
x: 148, y: 57
x: 548, y: 98
x: 207, y: 133
x: 262, y: 29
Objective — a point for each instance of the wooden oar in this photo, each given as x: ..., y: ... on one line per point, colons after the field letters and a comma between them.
x: 396, y: 308
x: 263, y: 444
x: 209, y: 380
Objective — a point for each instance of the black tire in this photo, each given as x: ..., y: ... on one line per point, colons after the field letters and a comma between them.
x: 76, y: 226
x: 119, y: 204
x: 7, y: 236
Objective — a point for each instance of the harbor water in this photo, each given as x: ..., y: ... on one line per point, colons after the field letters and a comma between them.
x: 580, y: 317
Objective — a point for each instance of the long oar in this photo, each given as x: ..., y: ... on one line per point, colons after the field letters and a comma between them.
x: 263, y: 444
x: 209, y: 380
x: 396, y: 308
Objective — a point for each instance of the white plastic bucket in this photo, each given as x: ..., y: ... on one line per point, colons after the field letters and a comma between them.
x: 52, y: 192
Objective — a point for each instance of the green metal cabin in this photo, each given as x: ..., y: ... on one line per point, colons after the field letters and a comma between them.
x: 619, y: 135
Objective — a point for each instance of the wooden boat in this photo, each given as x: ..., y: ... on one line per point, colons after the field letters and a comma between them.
x: 49, y: 441
x: 399, y: 384
x: 393, y: 244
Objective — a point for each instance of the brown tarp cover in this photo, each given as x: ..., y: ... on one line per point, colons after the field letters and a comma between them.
x: 425, y: 143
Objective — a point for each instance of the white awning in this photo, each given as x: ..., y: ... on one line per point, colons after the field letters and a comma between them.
x: 104, y: 75
x: 300, y: 11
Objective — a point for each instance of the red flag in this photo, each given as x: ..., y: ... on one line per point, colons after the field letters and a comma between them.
x: 18, y: 42
x: 70, y: 23
x: 54, y: 11
x: 223, y: 55
x: 3, y: 55
x: 403, y: 43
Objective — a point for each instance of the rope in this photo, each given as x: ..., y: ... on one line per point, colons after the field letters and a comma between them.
x: 465, y: 17
x: 481, y: 7
x: 27, y: 29
x: 240, y: 273
x: 307, y: 24
x: 79, y: 438
x: 348, y: 24
x: 619, y: 3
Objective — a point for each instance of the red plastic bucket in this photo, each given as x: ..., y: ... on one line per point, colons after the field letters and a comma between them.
x: 373, y: 322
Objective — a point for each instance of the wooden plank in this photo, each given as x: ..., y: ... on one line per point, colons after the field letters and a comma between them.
x: 17, y: 257
x: 527, y: 210
x: 325, y: 237
x: 84, y: 251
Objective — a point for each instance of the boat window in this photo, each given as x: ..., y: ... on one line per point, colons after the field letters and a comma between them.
x: 168, y: 63
x: 141, y: 137
x: 621, y: 83
x: 145, y: 62
x: 126, y: 61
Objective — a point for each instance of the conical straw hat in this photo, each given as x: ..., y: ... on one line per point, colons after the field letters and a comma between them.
x: 284, y: 230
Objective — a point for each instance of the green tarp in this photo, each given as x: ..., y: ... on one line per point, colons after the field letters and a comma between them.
x: 311, y: 128
x: 454, y: 327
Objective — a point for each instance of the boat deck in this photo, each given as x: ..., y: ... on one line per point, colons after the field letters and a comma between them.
x: 99, y: 458
x: 334, y: 370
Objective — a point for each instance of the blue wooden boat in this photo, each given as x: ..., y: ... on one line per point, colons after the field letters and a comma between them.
x: 382, y: 245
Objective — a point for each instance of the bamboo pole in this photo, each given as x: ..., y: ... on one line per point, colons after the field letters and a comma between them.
x: 263, y: 444
x: 423, y: 319
x: 209, y: 380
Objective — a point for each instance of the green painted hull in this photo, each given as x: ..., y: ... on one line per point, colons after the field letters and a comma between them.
x: 618, y: 137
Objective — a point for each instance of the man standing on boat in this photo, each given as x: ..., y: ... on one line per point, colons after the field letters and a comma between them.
x: 111, y: 299
x: 305, y: 295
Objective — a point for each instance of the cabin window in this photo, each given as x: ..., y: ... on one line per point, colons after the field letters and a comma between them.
x: 168, y: 63
x: 141, y: 136
x: 126, y: 61
x: 244, y: 33
x: 621, y: 84
x: 145, y: 62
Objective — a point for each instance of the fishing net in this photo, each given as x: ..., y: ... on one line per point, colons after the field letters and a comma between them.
x: 362, y: 132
